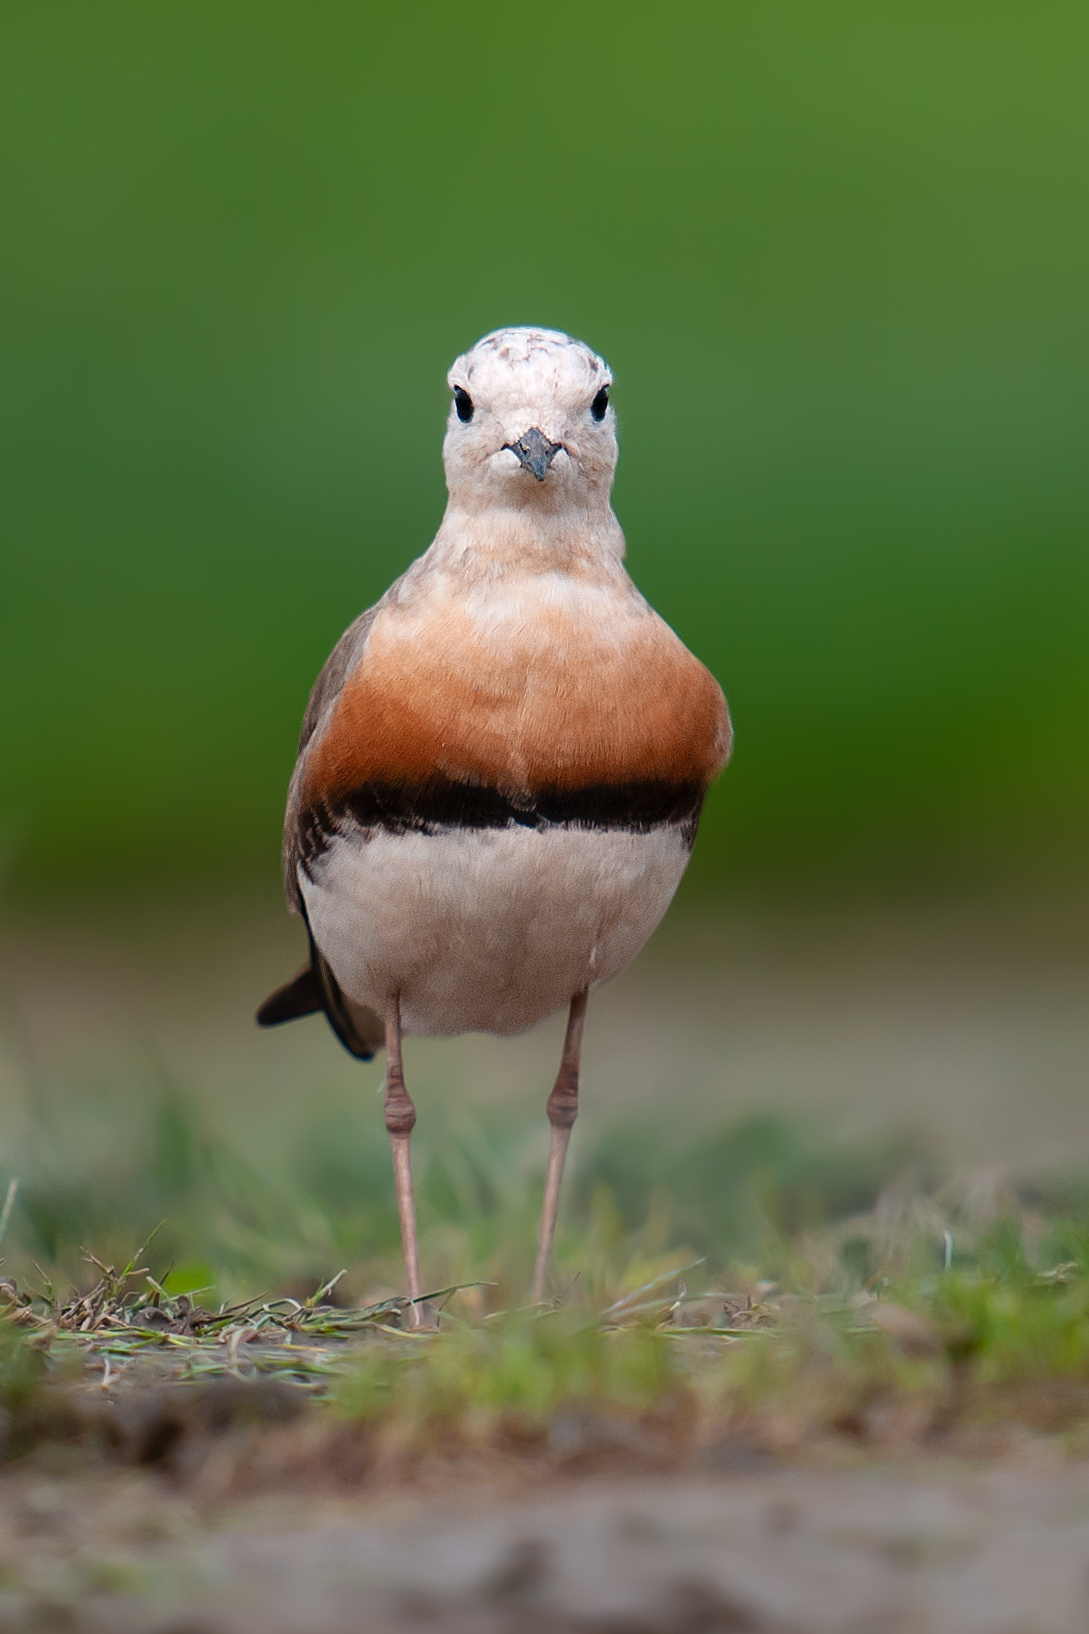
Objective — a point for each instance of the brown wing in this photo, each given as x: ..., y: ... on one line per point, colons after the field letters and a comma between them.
x: 314, y: 989
x: 323, y: 700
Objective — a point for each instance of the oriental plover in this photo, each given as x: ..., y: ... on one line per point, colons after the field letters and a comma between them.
x: 502, y: 763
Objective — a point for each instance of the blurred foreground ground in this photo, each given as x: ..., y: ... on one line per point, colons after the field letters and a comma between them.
x: 944, y: 1550
x: 968, y: 1022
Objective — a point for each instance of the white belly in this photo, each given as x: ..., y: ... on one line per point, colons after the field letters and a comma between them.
x: 487, y: 930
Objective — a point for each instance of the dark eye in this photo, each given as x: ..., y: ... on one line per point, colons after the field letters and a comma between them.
x: 600, y: 404
x: 463, y: 403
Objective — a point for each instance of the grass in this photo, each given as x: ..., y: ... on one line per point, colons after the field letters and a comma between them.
x: 758, y: 1286
x: 275, y: 1200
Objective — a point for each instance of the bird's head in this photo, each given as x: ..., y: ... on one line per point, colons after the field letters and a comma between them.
x: 530, y: 422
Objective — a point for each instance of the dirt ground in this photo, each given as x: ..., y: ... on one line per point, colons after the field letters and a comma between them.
x: 945, y: 1549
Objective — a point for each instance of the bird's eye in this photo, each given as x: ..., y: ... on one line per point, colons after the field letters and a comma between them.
x: 600, y: 404
x: 463, y: 403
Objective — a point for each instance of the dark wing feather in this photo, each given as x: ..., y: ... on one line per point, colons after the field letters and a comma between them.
x: 360, y: 1030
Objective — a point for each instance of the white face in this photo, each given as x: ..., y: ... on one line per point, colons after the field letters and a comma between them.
x: 530, y: 422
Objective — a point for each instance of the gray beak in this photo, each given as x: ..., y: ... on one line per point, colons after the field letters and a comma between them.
x: 535, y: 452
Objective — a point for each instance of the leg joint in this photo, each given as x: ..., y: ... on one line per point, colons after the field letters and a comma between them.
x: 563, y: 1104
x: 400, y: 1112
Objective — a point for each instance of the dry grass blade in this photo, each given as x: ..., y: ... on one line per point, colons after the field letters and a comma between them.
x: 115, y: 1326
x: 326, y: 1288
x: 627, y: 1306
x: 9, y: 1204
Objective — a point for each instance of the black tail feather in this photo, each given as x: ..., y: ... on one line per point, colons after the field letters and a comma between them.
x: 301, y: 996
x: 314, y: 990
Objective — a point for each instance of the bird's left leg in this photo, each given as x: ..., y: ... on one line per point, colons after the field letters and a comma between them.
x: 563, y: 1105
x: 400, y: 1122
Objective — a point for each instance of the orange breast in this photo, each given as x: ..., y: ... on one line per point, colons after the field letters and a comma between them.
x: 548, y: 686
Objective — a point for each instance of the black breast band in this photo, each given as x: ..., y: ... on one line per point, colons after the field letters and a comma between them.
x: 441, y: 804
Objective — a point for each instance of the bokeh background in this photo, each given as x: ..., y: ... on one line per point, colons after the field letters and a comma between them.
x: 837, y: 256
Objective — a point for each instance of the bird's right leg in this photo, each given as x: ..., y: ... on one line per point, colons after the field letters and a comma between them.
x: 400, y: 1122
x: 563, y: 1105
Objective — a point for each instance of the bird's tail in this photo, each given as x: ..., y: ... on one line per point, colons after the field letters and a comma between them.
x: 314, y: 990
x: 301, y: 996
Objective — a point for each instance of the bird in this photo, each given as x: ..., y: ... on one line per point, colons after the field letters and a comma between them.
x: 502, y: 764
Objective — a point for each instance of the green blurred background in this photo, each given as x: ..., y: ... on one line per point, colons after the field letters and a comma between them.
x: 836, y: 255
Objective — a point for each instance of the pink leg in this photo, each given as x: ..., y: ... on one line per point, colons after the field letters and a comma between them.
x: 563, y: 1105
x: 400, y: 1122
